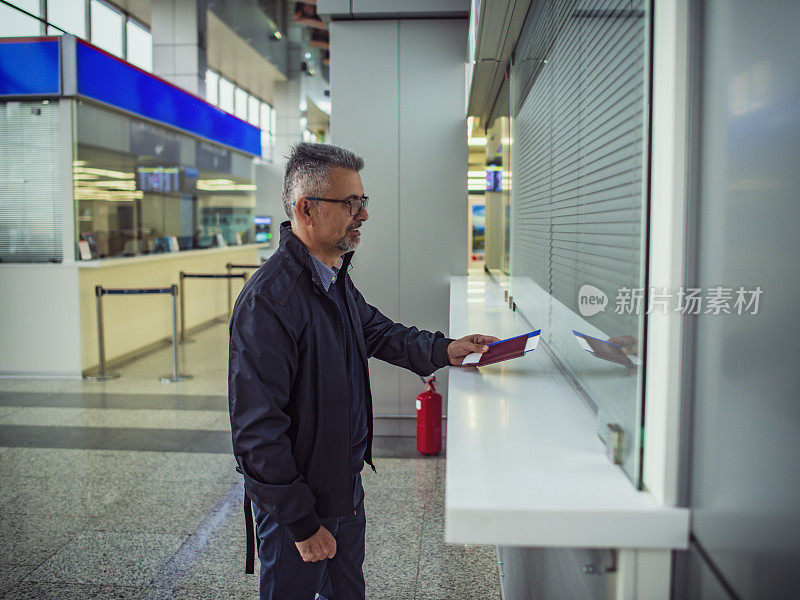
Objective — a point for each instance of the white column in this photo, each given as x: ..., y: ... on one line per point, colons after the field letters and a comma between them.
x: 287, y: 107
x: 397, y: 99
x: 177, y: 57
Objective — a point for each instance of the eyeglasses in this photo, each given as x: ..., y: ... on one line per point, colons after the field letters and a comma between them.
x: 356, y: 204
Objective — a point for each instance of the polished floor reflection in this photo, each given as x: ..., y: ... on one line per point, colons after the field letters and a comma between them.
x: 127, y: 489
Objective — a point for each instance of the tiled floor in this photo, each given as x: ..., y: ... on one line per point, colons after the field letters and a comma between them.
x: 127, y: 489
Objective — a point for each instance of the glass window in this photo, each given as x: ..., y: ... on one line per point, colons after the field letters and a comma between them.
x: 267, y: 122
x: 579, y: 98
x: 225, y: 95
x: 265, y: 117
x: 69, y: 15
x: 30, y: 196
x: 140, y: 46
x: 31, y: 6
x: 240, y: 100
x: 161, y: 191
x: 252, y: 110
x: 14, y: 23
x: 212, y: 87
x: 106, y: 28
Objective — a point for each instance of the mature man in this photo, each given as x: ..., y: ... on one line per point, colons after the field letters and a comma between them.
x: 300, y: 402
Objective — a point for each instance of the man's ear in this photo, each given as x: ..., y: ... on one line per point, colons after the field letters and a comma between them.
x: 302, y: 211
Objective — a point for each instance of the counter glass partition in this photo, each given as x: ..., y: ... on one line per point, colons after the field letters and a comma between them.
x: 140, y: 188
x: 579, y: 98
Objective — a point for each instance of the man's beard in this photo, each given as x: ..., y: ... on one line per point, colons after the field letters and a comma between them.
x: 348, y: 244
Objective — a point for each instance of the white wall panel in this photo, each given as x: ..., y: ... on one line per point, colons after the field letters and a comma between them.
x: 364, y: 109
x: 433, y: 178
x: 744, y: 382
x: 41, y: 330
x: 398, y: 100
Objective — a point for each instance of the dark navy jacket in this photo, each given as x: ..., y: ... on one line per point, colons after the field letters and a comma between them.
x: 288, y: 387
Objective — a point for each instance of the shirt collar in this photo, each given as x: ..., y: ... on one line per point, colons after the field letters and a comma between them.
x: 327, y: 275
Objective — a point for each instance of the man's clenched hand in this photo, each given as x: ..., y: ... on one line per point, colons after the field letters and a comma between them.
x: 318, y: 547
x: 457, y: 350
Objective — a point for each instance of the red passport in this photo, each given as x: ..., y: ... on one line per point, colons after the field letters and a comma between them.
x: 606, y: 350
x: 504, y: 350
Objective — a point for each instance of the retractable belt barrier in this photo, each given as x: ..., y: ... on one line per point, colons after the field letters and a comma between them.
x: 183, y: 276
x: 99, y: 292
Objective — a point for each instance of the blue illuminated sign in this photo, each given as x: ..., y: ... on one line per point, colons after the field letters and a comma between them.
x: 32, y: 67
x: 29, y: 66
x: 113, y: 81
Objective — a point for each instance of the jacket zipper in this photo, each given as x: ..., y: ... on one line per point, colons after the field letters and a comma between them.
x: 368, y: 390
x: 349, y: 396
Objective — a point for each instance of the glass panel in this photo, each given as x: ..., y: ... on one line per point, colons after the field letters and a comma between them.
x: 252, y: 110
x: 69, y: 15
x: 31, y: 6
x: 212, y: 87
x: 140, y: 46
x: 266, y: 117
x: 266, y: 146
x: 106, y: 28
x: 240, y: 100
x: 225, y: 95
x: 30, y: 186
x: 267, y: 142
x: 14, y: 23
x: 150, y: 189
x: 579, y: 161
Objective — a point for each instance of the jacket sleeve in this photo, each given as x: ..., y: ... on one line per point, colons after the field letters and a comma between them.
x: 415, y: 349
x: 263, y: 357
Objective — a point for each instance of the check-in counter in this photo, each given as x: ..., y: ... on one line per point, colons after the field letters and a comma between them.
x: 50, y: 315
x: 525, y: 466
x: 136, y: 322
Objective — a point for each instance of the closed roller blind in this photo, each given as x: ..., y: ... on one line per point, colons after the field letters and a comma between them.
x: 30, y: 191
x: 578, y: 99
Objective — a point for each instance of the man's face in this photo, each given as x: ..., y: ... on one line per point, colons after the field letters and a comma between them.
x: 336, y: 229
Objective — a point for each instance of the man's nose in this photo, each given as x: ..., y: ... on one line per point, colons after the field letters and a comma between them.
x: 363, y: 215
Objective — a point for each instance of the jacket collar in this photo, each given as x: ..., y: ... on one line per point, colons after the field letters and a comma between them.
x: 291, y: 245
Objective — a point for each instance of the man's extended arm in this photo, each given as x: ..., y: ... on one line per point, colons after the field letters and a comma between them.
x: 263, y: 358
x: 417, y: 350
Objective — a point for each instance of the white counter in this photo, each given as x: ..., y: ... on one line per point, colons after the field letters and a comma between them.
x: 524, y: 463
x: 100, y: 263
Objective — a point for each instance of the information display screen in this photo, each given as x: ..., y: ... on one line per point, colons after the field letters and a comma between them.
x: 262, y: 226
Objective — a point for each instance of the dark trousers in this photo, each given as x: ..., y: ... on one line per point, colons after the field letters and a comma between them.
x: 284, y: 575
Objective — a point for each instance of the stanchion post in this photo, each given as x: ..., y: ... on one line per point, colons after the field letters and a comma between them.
x: 101, y: 349
x: 183, y: 307
x: 175, y: 377
x: 230, y: 291
x: 182, y: 279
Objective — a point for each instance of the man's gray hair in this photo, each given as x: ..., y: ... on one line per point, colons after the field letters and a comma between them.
x: 308, y: 167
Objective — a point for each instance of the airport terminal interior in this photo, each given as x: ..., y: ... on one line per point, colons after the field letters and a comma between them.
x: 608, y: 186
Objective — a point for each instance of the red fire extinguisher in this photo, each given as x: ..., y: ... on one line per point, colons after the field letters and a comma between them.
x: 429, y: 419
